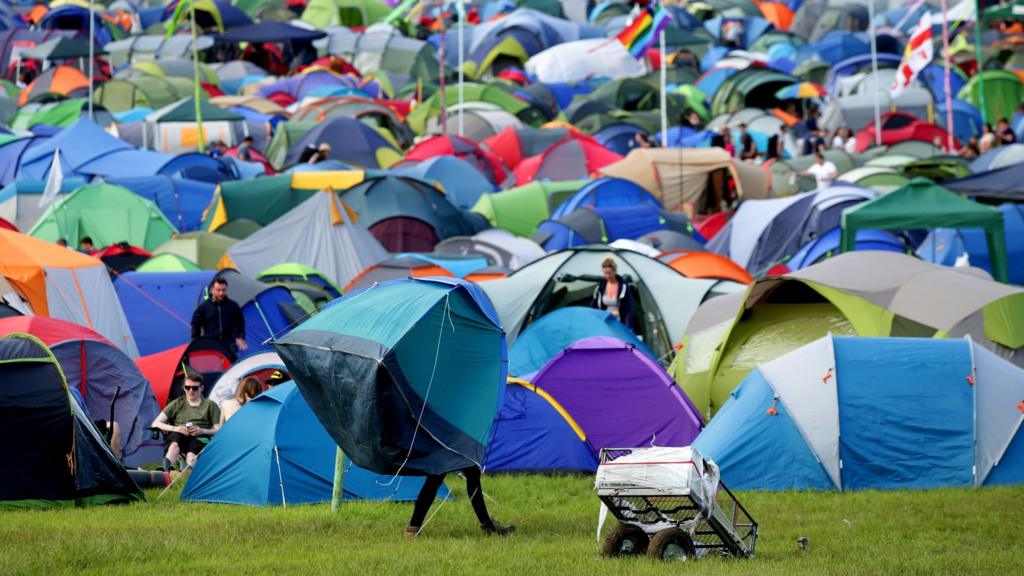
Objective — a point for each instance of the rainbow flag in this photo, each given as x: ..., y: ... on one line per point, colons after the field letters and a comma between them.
x: 643, y: 30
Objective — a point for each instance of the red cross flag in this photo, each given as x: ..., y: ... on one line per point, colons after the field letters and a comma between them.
x: 916, y: 56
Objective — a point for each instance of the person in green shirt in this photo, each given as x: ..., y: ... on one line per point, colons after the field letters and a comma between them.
x: 188, y: 422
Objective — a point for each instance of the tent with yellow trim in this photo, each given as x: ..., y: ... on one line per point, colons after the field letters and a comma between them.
x: 64, y: 284
x: 322, y: 232
x: 533, y: 433
x: 263, y: 200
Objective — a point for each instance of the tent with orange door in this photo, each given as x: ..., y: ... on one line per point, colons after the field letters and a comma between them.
x: 705, y: 265
x: 63, y: 80
x: 64, y: 284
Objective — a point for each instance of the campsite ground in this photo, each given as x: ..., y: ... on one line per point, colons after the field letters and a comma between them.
x: 909, y: 532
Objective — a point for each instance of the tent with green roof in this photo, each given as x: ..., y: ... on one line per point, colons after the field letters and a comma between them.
x: 205, y: 249
x: 1003, y: 93
x: 293, y: 271
x: 261, y: 200
x: 168, y: 262
x: 174, y: 128
x: 923, y: 204
x: 520, y: 210
x: 106, y: 213
x: 489, y: 93
x: 325, y: 14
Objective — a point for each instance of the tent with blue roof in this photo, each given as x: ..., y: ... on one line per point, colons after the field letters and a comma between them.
x: 557, y: 330
x: 182, y: 201
x: 462, y: 182
x: 944, y: 245
x: 533, y: 433
x: 406, y: 376
x: 19, y: 200
x: 873, y: 413
x: 827, y: 246
x: 275, y: 452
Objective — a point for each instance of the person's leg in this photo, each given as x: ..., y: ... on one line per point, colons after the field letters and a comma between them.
x: 115, y: 438
x: 173, y: 447
x: 476, y: 494
x: 195, y: 446
x: 423, y: 501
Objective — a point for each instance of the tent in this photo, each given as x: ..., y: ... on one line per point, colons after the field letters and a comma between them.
x: 293, y: 274
x: 168, y: 263
x: 900, y: 127
x: 999, y: 157
x: 764, y: 232
x: 869, y: 293
x: 573, y: 158
x: 260, y: 366
x: 462, y: 182
x: 108, y: 214
x: 944, y: 245
x: 416, y: 265
x: 500, y: 247
x: 98, y: 370
x: 351, y: 141
x: 1003, y: 93
x: 827, y: 246
x: 324, y: 14
x: 533, y: 433
x: 694, y: 264
x: 520, y: 210
x: 59, y: 459
x: 417, y: 353
x: 323, y: 232
x: 580, y: 60
x: 840, y: 413
x: 514, y: 144
x: 181, y: 200
x: 205, y: 249
x: 664, y: 299
x: 405, y: 215
x: 174, y: 128
x: 695, y: 177
x: 924, y: 204
x: 166, y: 370
x: 618, y: 395
x: 1006, y: 183
x: 64, y: 284
x: 448, y: 145
x: 557, y: 330
x: 19, y: 200
x: 62, y: 80
x: 275, y: 452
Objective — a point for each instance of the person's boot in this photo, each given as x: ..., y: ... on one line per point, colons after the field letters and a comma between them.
x: 411, y: 531
x: 166, y: 465
x: 493, y: 527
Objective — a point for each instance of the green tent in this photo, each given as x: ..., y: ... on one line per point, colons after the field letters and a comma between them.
x: 490, y: 93
x: 324, y: 14
x: 168, y: 263
x: 864, y: 293
x: 520, y: 210
x: 185, y: 111
x: 62, y: 113
x: 311, y: 289
x: 262, y: 201
x: 1003, y: 93
x: 106, y: 213
x: 203, y: 248
x: 294, y: 271
x: 1005, y: 12
x: 923, y: 204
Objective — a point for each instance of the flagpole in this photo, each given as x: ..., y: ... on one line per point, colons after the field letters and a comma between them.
x: 664, y: 88
x: 874, y: 73
x: 440, y: 75
x: 461, y: 10
x: 978, y: 58
x: 195, y: 80
x: 92, y: 53
x: 946, y: 79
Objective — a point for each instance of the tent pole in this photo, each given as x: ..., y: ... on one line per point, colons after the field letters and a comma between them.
x: 440, y: 75
x: 195, y: 82
x: 461, y: 10
x: 339, y: 480
x: 663, y: 80
x: 979, y: 60
x: 874, y: 72
x: 946, y: 76
x: 92, y: 53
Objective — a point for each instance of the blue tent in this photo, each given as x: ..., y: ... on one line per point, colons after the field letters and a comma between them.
x: 182, y: 201
x: 753, y: 28
x: 159, y: 307
x: 966, y: 119
x: 827, y: 245
x: 620, y: 137
x: 87, y: 150
x: 202, y: 167
x: 944, y: 245
x: 462, y: 183
x: 851, y: 413
x: 837, y: 45
x: 405, y: 375
x: 533, y: 433
x: 274, y: 451
x: 10, y: 157
x: 555, y: 331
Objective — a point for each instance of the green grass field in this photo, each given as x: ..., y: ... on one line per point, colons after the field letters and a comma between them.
x: 918, y: 532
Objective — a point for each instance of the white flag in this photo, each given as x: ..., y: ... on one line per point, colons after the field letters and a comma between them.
x: 54, y: 182
x: 917, y: 55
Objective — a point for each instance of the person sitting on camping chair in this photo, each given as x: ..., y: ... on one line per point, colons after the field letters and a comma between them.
x: 188, y: 423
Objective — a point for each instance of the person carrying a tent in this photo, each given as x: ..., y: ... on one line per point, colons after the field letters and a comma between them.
x: 614, y: 294
x: 188, y: 423
x: 220, y: 318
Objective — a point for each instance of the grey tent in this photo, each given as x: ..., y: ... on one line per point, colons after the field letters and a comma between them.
x: 500, y: 247
x: 322, y: 232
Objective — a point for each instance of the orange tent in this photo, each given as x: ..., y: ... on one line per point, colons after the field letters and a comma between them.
x: 61, y: 80
x: 780, y: 15
x: 64, y: 284
x: 705, y: 265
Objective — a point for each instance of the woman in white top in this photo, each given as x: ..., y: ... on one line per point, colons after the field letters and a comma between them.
x: 247, y: 390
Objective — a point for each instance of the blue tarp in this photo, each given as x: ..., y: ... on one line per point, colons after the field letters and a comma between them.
x: 275, y: 449
x: 530, y: 435
x: 182, y: 201
x: 556, y: 331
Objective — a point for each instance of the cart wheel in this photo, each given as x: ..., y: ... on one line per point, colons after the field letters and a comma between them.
x: 671, y: 544
x: 625, y: 540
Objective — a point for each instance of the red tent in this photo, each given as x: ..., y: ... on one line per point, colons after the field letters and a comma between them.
x: 464, y: 148
x: 8, y: 226
x: 513, y: 145
x: 166, y: 370
x: 576, y: 157
x: 901, y: 126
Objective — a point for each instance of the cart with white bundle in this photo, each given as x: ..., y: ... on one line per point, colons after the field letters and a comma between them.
x: 670, y: 503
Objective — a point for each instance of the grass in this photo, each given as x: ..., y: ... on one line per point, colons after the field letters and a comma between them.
x: 952, y: 531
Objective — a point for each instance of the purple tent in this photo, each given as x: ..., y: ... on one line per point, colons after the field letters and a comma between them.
x: 300, y: 86
x: 619, y: 396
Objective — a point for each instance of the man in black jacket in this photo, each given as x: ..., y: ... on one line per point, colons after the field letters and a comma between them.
x: 220, y: 318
